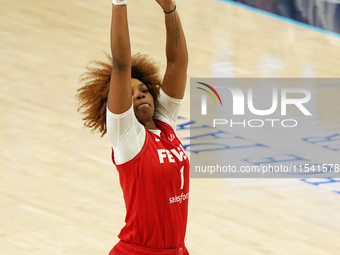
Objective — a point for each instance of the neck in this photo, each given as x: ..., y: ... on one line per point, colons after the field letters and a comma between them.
x: 149, y: 124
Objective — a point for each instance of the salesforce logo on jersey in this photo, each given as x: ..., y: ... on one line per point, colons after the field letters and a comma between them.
x: 238, y: 124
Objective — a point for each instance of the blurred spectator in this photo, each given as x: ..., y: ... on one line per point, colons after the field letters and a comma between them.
x: 320, y: 13
x: 287, y: 9
x: 266, y: 5
x: 247, y: 2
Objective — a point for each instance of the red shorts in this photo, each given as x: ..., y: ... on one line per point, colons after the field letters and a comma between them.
x: 122, y: 248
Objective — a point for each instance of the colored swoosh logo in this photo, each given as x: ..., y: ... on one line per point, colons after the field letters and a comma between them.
x: 212, y: 89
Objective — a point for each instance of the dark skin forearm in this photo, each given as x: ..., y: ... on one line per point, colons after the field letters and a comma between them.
x: 120, y: 40
x: 174, y: 81
x: 119, y: 98
x: 176, y: 49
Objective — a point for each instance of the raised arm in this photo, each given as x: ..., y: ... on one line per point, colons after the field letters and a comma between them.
x: 175, y: 78
x: 119, y: 98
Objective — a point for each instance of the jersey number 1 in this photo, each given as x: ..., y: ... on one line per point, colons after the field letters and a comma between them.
x: 182, y: 177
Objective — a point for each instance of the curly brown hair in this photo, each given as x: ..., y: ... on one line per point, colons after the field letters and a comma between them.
x: 92, y: 97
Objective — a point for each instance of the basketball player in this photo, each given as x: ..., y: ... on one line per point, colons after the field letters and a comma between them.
x: 141, y: 122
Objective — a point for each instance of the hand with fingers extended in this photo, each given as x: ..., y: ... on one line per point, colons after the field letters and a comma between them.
x: 168, y: 6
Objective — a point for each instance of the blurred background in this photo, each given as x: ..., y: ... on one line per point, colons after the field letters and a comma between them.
x: 60, y: 192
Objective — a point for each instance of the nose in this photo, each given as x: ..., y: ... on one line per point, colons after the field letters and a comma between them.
x: 138, y: 95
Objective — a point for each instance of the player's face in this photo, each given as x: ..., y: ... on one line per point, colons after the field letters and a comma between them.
x: 143, y: 103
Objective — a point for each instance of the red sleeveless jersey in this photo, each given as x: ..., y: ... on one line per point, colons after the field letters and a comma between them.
x: 155, y: 186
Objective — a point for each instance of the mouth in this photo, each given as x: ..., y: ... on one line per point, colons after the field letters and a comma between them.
x: 143, y: 104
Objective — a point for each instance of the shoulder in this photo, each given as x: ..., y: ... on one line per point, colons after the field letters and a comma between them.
x: 167, y: 109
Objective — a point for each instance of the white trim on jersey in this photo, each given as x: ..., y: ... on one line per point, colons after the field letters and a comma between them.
x: 126, y: 135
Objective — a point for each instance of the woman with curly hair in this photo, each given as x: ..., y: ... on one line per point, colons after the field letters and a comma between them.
x: 127, y: 99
